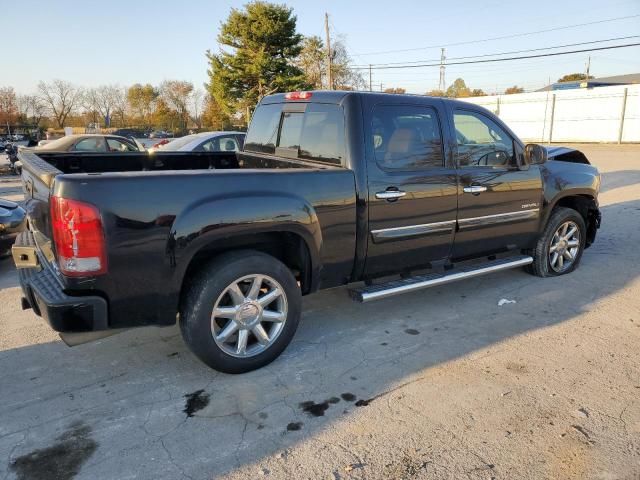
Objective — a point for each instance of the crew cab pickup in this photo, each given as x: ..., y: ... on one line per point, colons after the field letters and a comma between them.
x: 391, y: 193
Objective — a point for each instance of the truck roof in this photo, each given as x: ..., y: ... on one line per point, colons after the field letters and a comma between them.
x: 337, y: 96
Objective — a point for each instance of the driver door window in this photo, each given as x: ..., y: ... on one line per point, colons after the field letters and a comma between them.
x: 119, y: 146
x: 481, y: 142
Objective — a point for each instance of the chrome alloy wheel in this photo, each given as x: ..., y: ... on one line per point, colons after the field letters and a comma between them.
x: 249, y: 315
x: 564, y: 247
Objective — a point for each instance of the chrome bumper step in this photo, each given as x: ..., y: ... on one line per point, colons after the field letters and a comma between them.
x: 396, y: 287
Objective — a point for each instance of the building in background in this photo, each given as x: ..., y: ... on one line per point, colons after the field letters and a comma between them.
x: 630, y: 79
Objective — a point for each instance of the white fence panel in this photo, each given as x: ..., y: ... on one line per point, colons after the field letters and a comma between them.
x: 579, y: 115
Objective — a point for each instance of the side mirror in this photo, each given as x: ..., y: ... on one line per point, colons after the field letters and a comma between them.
x: 535, y: 154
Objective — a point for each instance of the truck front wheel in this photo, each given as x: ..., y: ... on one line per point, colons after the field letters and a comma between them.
x: 559, y: 248
x: 240, y: 311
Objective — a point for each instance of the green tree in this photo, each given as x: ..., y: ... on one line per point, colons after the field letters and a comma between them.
x: 514, y: 89
x: 8, y: 105
x: 263, y: 45
x: 213, y: 117
x: 458, y: 89
x: 572, y: 77
x: 141, y: 99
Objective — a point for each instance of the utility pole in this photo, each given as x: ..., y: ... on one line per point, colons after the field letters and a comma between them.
x: 441, y: 83
x: 326, y: 29
x: 370, y: 84
x: 588, y: 67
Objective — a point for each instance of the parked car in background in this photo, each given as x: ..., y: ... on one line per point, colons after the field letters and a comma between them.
x: 206, y: 142
x: 160, y: 134
x: 92, y: 143
x: 131, y: 133
x: 12, y: 222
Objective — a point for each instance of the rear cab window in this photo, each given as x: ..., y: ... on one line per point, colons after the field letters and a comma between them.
x: 307, y: 131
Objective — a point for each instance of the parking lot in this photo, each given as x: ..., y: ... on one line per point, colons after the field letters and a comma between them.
x: 445, y: 383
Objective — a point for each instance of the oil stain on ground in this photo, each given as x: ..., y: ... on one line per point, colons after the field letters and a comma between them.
x: 411, y: 331
x: 294, y: 426
x: 196, y: 401
x: 62, y: 460
x: 314, y: 409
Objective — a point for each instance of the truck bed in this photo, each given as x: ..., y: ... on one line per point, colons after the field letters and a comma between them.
x: 159, y: 210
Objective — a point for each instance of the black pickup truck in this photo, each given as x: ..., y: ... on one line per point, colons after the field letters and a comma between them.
x: 396, y: 192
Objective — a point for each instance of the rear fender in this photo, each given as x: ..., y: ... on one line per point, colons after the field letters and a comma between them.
x: 220, y: 218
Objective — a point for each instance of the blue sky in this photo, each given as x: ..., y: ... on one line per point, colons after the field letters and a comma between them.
x: 124, y: 42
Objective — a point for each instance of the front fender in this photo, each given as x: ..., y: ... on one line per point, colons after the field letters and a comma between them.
x: 221, y: 217
x: 564, y: 179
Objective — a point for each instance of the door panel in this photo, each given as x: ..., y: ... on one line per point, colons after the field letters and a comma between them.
x: 499, y: 203
x: 412, y: 192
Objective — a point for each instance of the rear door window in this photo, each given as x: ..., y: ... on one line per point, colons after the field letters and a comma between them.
x: 263, y: 133
x: 407, y: 137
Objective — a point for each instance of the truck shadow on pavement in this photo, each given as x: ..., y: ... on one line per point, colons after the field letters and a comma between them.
x: 619, y: 179
x: 143, y: 395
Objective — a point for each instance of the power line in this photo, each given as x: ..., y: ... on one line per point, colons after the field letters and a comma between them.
x: 522, y: 57
x: 468, y: 42
x: 504, y: 53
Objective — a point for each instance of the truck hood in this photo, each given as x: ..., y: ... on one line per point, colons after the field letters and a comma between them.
x: 566, y: 154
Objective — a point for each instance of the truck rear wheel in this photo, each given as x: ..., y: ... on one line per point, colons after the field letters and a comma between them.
x: 559, y: 248
x: 240, y: 311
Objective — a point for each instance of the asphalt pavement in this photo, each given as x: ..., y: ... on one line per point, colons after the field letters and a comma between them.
x: 439, y: 384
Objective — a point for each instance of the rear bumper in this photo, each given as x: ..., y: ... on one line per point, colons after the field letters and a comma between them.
x: 44, y: 293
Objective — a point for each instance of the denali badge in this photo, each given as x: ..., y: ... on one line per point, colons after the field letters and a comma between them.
x: 529, y: 205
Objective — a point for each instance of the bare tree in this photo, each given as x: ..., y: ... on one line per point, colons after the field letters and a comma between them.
x: 32, y: 108
x: 312, y: 60
x: 197, y: 106
x: 103, y: 100
x: 61, y: 98
x: 120, y: 104
x: 177, y: 95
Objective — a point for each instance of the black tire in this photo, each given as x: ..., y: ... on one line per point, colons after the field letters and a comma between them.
x: 541, y: 265
x: 206, y: 287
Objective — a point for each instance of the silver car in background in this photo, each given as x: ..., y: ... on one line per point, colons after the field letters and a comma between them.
x: 205, y: 142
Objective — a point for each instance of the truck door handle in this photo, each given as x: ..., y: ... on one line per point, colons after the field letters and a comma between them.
x: 390, y: 194
x: 475, y: 189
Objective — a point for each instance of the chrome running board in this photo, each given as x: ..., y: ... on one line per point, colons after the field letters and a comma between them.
x: 396, y: 287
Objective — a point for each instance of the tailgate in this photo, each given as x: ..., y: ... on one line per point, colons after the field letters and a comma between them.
x: 37, y: 178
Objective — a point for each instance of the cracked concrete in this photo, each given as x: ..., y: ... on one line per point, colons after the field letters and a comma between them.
x: 479, y: 392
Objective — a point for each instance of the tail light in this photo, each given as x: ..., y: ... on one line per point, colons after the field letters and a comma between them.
x: 298, y: 95
x: 78, y: 237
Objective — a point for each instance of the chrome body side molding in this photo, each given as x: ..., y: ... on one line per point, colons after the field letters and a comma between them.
x: 473, y: 222
x: 390, y: 234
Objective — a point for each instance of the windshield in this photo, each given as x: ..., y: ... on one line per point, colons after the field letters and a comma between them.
x: 179, y: 142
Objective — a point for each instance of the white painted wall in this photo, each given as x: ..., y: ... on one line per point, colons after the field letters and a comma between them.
x: 580, y: 115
